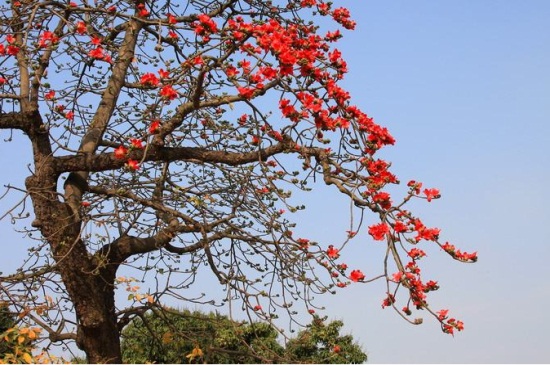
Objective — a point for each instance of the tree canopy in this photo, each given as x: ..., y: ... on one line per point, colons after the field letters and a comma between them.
x: 168, y: 139
x: 183, y: 336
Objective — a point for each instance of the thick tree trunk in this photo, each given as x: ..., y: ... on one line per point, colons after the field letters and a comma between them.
x: 89, y: 282
x: 98, y: 334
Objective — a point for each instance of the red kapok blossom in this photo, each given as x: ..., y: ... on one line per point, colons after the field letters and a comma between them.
x: 133, y: 165
x: 49, y: 95
x: 168, y: 92
x: 332, y: 252
x: 431, y: 194
x: 121, y: 152
x: 81, y: 28
x: 356, y: 275
x: 47, y: 38
x: 154, y: 126
x: 163, y: 74
x: 136, y: 143
x: 12, y: 50
x: 246, y: 92
x: 97, y: 53
x: 171, y: 19
x: 149, y: 79
x: 379, y: 231
x: 400, y: 227
x: 257, y: 308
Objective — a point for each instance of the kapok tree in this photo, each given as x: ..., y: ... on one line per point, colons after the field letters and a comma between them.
x: 167, y: 137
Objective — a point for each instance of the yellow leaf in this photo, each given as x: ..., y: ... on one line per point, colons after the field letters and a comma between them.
x: 27, y: 358
x: 167, y: 338
x: 197, y: 352
x: 32, y: 334
x: 20, y: 339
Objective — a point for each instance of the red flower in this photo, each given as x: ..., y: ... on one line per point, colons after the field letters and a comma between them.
x: 400, y: 227
x: 442, y: 314
x: 231, y: 71
x: 431, y: 194
x: 136, y: 143
x: 12, y: 50
x: 149, y: 79
x: 81, y: 28
x: 206, y: 25
x: 168, y: 92
x: 49, y: 95
x: 97, y: 53
x: 2, y: 80
x: 356, y: 275
x: 332, y: 252
x: 163, y: 74
x: 304, y: 243
x: 121, y: 152
x: 246, y: 92
x: 336, y: 349
x: 397, y: 276
x: 133, y: 164
x: 416, y: 253
x: 47, y: 38
x: 383, y: 199
x: 379, y: 231
x: 85, y: 204
x: 257, y: 308
x: 69, y: 115
x: 171, y: 19
x: 155, y: 124
x: 143, y: 12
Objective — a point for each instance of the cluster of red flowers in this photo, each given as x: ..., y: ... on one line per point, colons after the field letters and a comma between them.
x: 205, y: 26
x: 449, y: 324
x: 121, y: 152
x: 379, y: 231
x: 11, y: 49
x: 98, y: 53
x: 47, y: 38
x: 459, y: 255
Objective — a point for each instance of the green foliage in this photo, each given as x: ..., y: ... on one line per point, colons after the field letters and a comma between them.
x: 321, y: 343
x: 7, y: 321
x: 195, y: 337
x: 171, y: 338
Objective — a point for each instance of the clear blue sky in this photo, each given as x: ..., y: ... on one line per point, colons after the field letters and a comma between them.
x: 464, y: 86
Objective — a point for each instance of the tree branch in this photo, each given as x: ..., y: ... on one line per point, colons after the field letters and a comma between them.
x: 107, y: 161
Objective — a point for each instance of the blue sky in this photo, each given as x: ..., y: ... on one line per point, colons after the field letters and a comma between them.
x: 464, y: 86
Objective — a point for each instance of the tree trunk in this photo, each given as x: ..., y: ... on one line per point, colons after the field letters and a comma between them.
x: 89, y: 282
